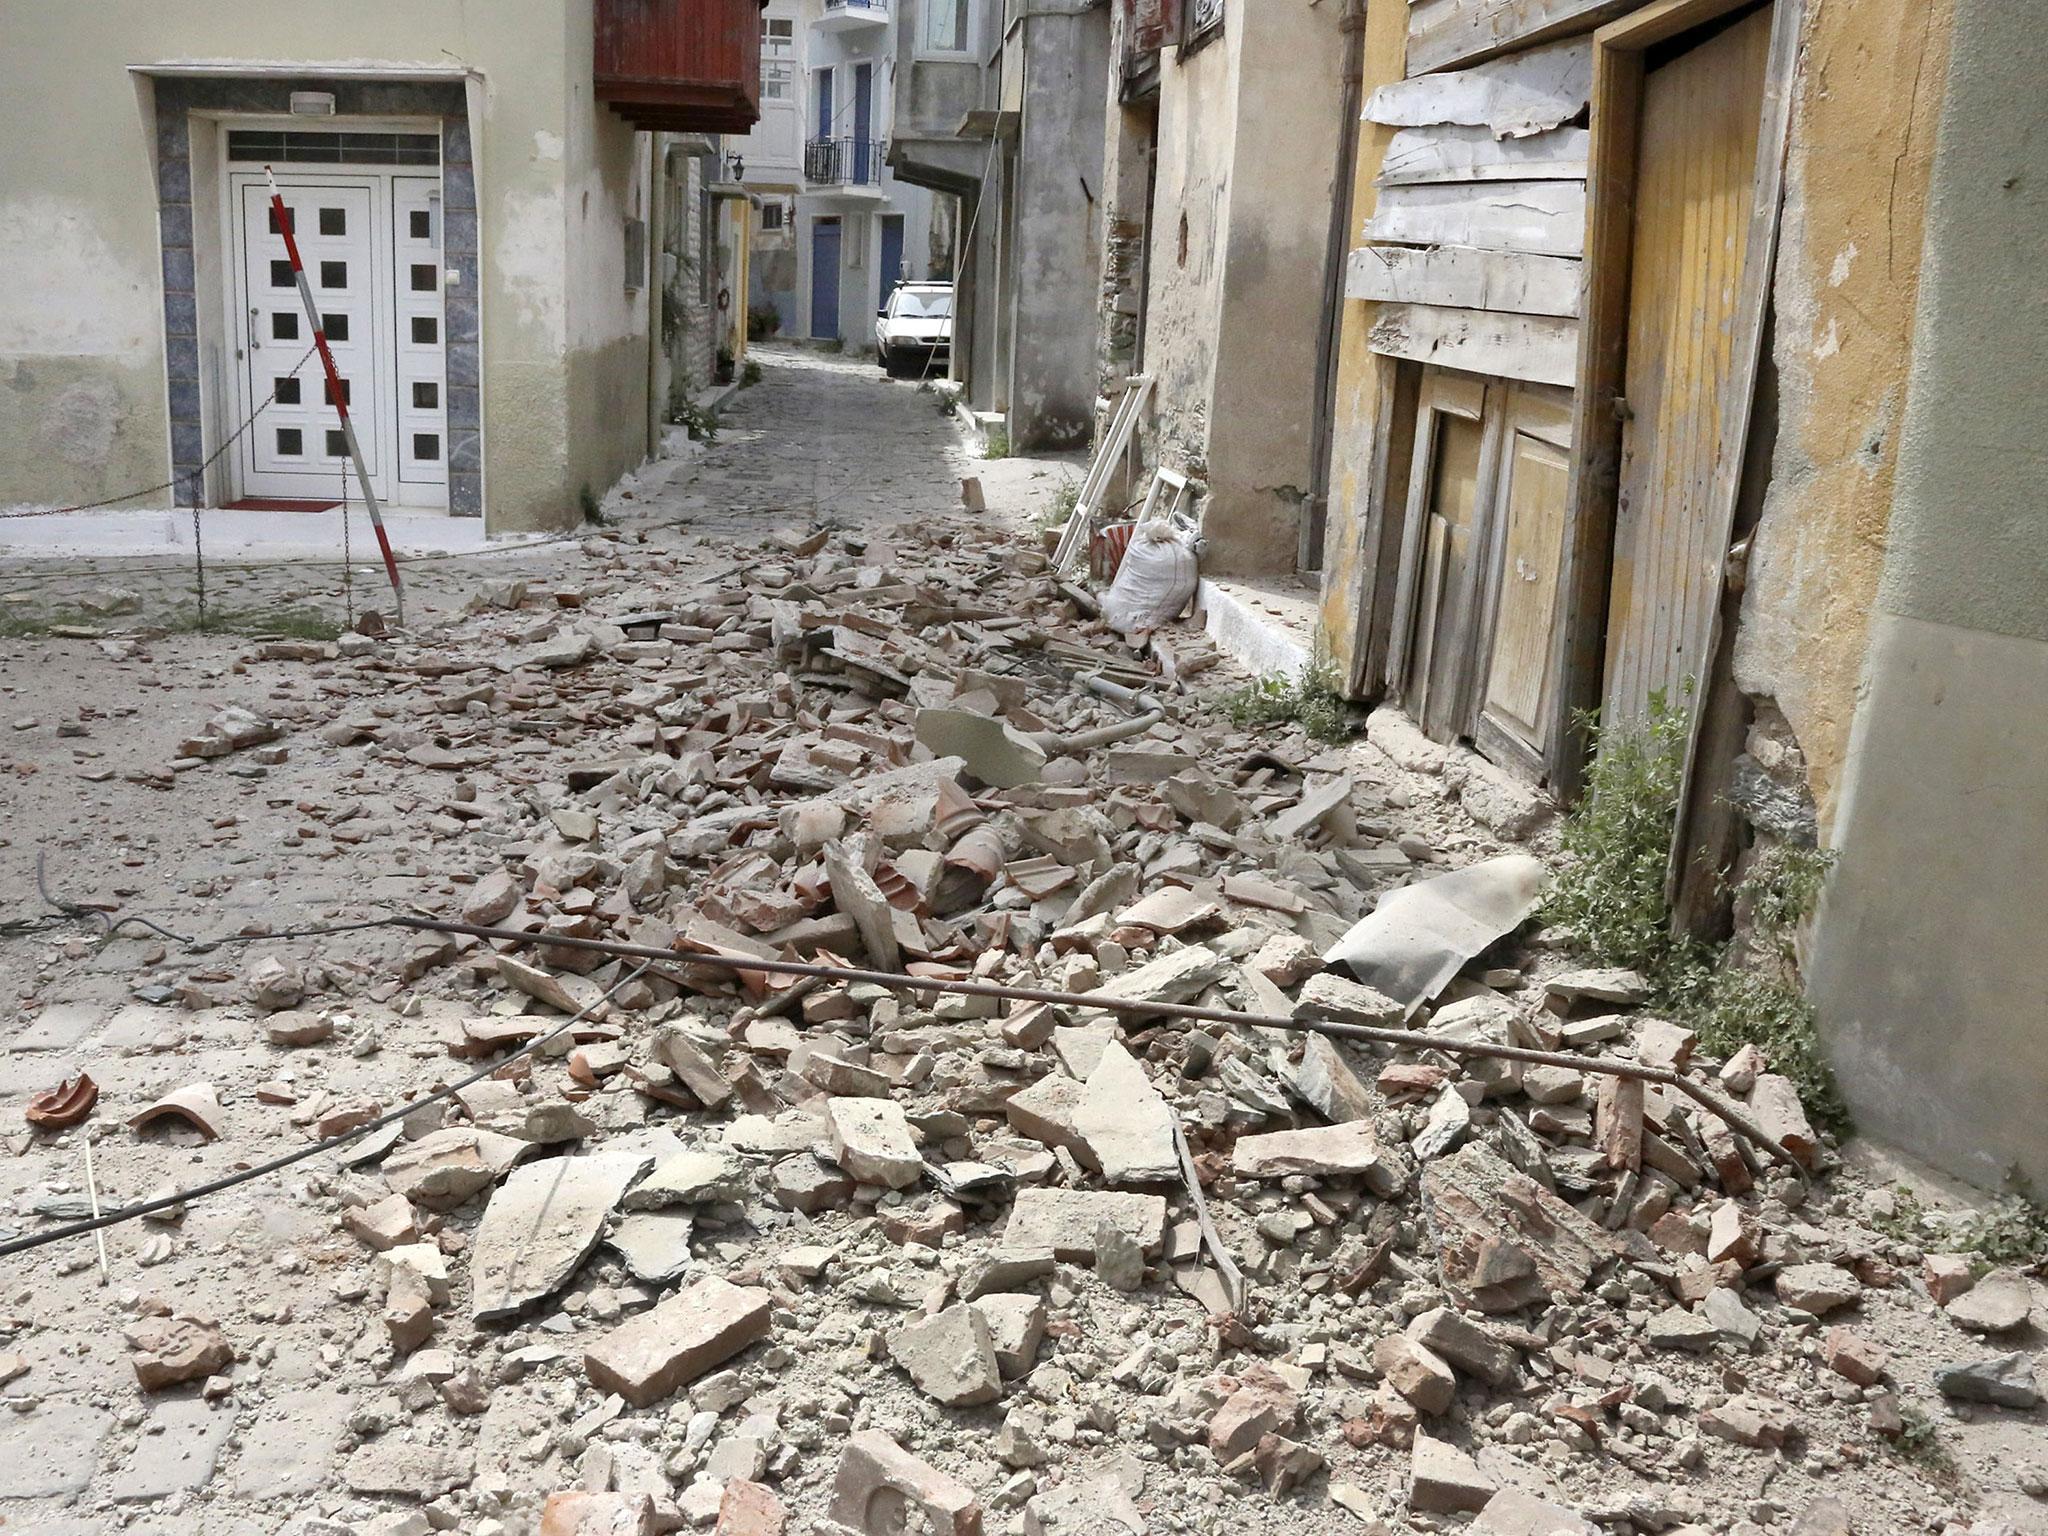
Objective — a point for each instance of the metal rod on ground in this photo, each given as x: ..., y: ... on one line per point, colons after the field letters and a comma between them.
x: 335, y: 391
x: 1226, y: 1266
x: 1056, y: 745
x: 1400, y: 1039
x: 198, y: 565
x: 348, y: 575
x: 92, y: 1190
x: 179, y: 1197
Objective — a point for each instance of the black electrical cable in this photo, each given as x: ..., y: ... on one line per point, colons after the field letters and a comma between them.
x: 299, y: 1155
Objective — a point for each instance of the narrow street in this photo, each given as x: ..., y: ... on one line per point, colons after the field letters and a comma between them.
x: 877, y: 1249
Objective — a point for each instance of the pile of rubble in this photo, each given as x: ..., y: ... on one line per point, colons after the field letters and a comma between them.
x: 737, y: 1249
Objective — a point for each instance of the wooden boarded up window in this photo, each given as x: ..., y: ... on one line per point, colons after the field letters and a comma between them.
x: 1153, y: 24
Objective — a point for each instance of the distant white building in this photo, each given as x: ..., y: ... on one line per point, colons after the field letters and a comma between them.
x: 836, y: 230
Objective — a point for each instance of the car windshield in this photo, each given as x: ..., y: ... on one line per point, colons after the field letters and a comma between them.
x: 912, y: 305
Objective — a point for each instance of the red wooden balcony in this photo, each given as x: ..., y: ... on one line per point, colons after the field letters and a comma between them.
x: 688, y: 66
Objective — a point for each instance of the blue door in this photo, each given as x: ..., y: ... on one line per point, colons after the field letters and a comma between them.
x: 892, y: 254
x: 864, y: 168
x: 824, y: 279
x: 824, y: 104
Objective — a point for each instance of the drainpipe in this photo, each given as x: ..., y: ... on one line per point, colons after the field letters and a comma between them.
x: 657, y: 290
x: 1335, y: 254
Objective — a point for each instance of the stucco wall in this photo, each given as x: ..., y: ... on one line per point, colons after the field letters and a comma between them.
x: 1261, y: 413
x: 1926, y: 966
x: 1246, y: 165
x: 1863, y: 133
x: 1194, y: 152
x: 1058, y: 250
x: 82, y: 403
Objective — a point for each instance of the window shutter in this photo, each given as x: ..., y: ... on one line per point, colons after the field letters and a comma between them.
x: 1154, y: 24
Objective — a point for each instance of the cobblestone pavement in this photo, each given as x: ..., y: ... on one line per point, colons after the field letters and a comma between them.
x: 822, y: 438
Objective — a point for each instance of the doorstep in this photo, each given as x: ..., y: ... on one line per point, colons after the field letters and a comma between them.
x: 1268, y: 627
x: 233, y: 535
x: 978, y: 422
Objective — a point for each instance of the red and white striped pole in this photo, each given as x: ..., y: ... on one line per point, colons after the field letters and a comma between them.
x: 334, y: 389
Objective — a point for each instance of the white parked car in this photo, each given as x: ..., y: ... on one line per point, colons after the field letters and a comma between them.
x: 915, y: 326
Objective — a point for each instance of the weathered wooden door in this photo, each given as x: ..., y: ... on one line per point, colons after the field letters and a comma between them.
x: 1473, y: 640
x: 1697, y: 162
x: 1446, y: 506
x: 1525, y: 548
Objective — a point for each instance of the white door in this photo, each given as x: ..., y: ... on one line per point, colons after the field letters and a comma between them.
x: 295, y: 449
x: 370, y: 241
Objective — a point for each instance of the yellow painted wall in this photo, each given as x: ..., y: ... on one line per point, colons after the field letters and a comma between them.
x: 1863, y: 131
x: 1357, y: 396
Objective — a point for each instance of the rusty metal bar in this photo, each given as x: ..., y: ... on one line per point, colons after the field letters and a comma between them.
x: 1400, y: 1039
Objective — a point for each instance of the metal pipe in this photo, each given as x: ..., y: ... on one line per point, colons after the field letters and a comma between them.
x: 1400, y: 1039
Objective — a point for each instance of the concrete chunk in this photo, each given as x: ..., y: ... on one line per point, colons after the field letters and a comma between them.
x: 870, y: 1139
x: 1179, y: 977
x: 1512, y: 1512
x: 1443, y: 1479
x: 1998, y: 1303
x: 541, y: 1225
x: 878, y: 1480
x: 2007, y: 1381
x: 1126, y: 1122
x: 951, y: 1357
x: 1339, y: 999
x: 1016, y: 1326
x: 1818, y: 1288
x: 688, y: 1178
x: 1417, y: 1372
x: 993, y: 752
x: 1504, y: 1241
x: 577, y: 1513
x: 703, y: 1325
x: 1349, y: 1150
x: 444, y: 1168
x: 1468, y: 1345
x: 1065, y: 1220
x: 1327, y: 1084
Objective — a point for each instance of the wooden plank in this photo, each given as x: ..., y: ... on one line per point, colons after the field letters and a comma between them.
x: 1662, y: 20
x: 1596, y: 425
x: 1122, y: 423
x: 1460, y: 277
x: 1386, y: 522
x: 1444, y: 34
x: 1526, y: 93
x: 1543, y: 218
x: 1455, y: 152
x: 1442, y: 400
x: 1540, y: 348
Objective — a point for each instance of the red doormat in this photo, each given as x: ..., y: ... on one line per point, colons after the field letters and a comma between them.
x: 277, y: 504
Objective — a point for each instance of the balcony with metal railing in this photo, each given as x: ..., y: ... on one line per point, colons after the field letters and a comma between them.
x: 846, y: 15
x: 844, y: 164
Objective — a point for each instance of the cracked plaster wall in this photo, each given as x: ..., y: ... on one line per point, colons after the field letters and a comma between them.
x: 83, y: 410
